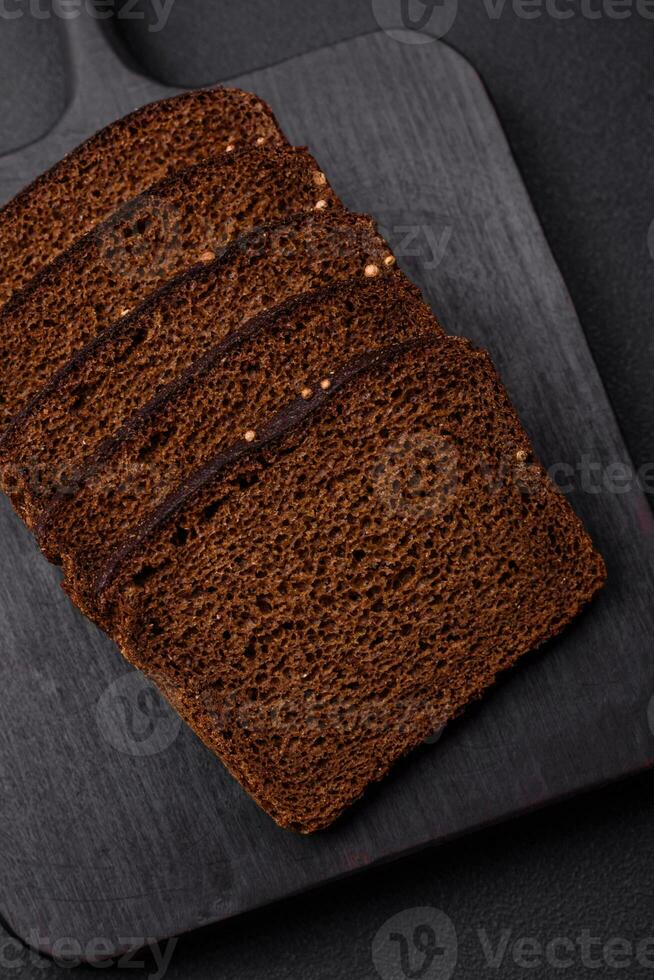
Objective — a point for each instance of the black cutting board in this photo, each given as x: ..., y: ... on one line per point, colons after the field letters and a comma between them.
x: 115, y: 821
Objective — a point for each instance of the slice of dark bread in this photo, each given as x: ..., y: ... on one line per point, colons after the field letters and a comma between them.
x: 171, y: 227
x: 233, y: 389
x: 319, y: 601
x: 117, y: 164
x: 124, y: 367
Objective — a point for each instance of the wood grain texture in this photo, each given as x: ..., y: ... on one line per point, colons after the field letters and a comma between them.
x: 103, y: 835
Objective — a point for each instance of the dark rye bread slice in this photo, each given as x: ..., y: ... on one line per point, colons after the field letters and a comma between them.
x: 318, y: 602
x: 230, y: 391
x: 168, y: 229
x: 117, y: 164
x: 124, y: 367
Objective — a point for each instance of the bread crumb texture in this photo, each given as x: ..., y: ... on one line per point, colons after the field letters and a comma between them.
x: 184, y: 220
x: 308, y: 514
x: 87, y: 401
x: 339, y: 593
x: 231, y: 391
x: 118, y: 163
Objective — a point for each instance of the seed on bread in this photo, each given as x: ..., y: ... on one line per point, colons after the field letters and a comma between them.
x: 149, y: 241
x: 145, y: 147
x: 302, y: 337
x: 142, y: 353
x: 392, y: 655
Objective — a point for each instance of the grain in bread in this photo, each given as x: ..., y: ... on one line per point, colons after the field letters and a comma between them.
x: 184, y: 220
x: 117, y: 164
x: 318, y: 601
x: 226, y: 394
x: 45, y: 447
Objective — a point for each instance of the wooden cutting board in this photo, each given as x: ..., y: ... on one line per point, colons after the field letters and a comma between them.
x: 115, y: 821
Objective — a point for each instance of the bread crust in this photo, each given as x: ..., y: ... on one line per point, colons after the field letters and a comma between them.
x: 87, y: 185
x: 536, y: 566
x: 227, y: 393
x: 182, y: 221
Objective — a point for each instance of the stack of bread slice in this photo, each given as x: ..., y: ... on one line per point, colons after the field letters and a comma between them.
x: 306, y: 512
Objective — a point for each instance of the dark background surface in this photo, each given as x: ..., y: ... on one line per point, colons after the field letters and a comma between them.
x: 576, y: 99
